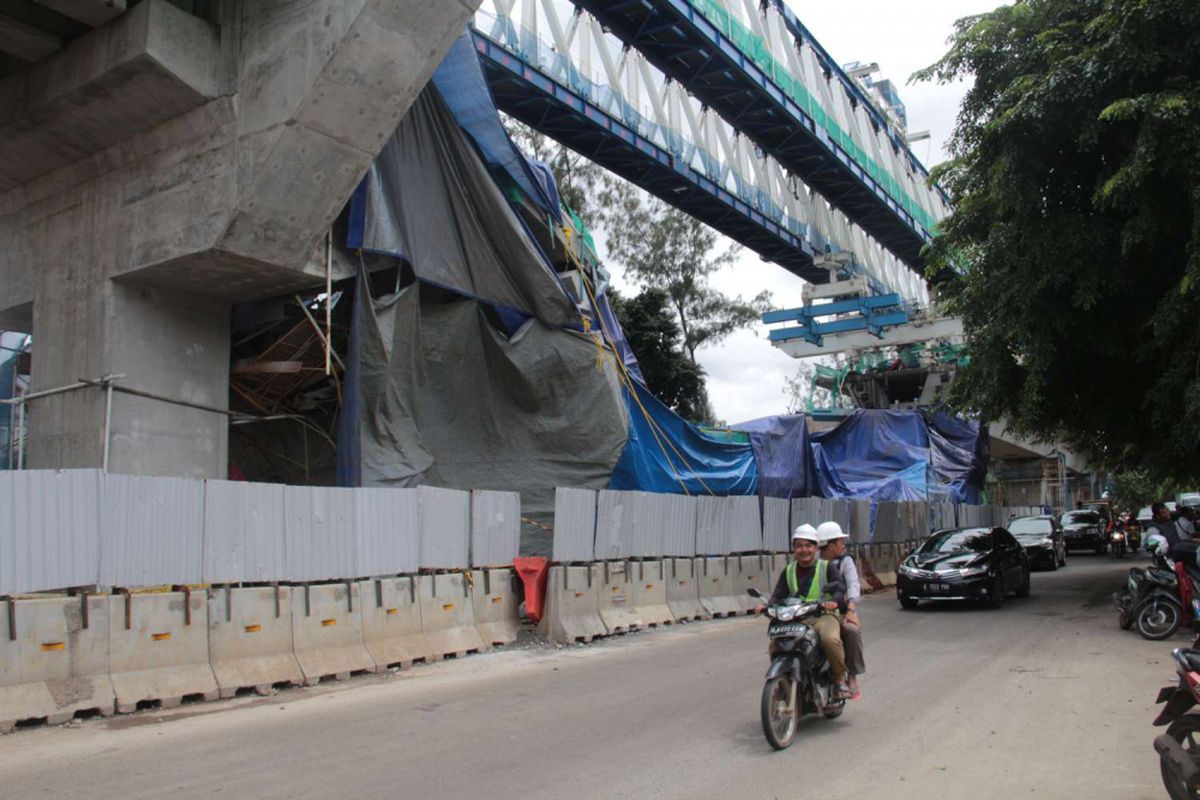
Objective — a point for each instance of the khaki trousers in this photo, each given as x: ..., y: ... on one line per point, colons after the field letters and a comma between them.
x: 853, y: 644
x: 829, y: 627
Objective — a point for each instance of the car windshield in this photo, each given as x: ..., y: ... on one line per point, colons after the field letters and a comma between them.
x: 966, y: 540
x: 1081, y: 518
x: 1030, y: 528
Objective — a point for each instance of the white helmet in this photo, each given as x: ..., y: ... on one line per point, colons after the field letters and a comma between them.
x: 806, y: 532
x: 828, y: 531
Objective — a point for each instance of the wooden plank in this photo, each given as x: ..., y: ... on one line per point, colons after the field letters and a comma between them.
x: 267, y: 367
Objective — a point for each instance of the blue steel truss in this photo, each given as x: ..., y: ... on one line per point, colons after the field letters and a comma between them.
x: 682, y: 43
x: 870, y: 314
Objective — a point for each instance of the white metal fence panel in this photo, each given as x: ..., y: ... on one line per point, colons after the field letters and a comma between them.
x: 776, y: 532
x: 615, y: 520
x: 321, y: 543
x: 388, y: 528
x: 745, y: 525
x: 49, y: 529
x: 445, y: 528
x: 645, y: 529
x: 712, y: 526
x: 244, y: 538
x: 495, y: 528
x: 807, y: 510
x: 860, y: 521
x: 834, y: 510
x: 574, y: 524
x: 151, y: 531
x: 679, y: 525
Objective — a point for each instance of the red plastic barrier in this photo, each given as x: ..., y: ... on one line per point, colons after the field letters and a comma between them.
x: 533, y: 571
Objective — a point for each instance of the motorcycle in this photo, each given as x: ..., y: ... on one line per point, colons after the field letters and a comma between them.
x: 1117, y: 542
x: 799, y: 680
x: 1133, y: 535
x: 1152, y: 600
x: 1179, y: 748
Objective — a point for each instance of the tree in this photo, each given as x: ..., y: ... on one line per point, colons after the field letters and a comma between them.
x: 1076, y: 193
x: 650, y: 327
x: 583, y: 186
x: 663, y: 247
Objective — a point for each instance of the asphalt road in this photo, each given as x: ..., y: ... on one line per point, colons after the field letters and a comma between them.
x: 1043, y: 698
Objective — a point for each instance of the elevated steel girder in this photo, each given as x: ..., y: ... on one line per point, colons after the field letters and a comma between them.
x: 673, y: 36
x: 522, y: 91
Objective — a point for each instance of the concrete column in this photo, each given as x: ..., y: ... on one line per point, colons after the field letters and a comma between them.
x: 173, y: 344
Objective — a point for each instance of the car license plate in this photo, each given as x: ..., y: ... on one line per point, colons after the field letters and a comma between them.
x: 938, y: 587
x: 786, y: 629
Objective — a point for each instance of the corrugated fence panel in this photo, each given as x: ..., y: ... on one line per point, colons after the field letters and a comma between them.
x: 243, y: 532
x: 745, y: 525
x: 712, y: 526
x: 833, y: 510
x: 319, y: 531
x: 679, y: 525
x: 388, y: 526
x: 860, y: 521
x: 645, y: 530
x: 151, y: 531
x: 614, y: 521
x: 806, y: 510
x: 890, y: 524
x: 495, y: 527
x: 776, y: 533
x: 574, y: 524
x: 49, y: 529
x: 445, y: 528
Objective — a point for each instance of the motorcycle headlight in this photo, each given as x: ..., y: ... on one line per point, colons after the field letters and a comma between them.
x: 786, y: 614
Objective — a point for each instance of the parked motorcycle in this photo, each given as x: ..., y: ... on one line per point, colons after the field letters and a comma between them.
x: 1179, y: 748
x: 800, y: 679
x: 1153, y: 600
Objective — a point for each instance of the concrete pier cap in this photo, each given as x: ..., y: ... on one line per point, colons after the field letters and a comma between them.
x: 161, y: 167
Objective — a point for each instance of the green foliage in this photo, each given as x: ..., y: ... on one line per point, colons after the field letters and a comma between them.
x: 661, y: 246
x: 1075, y: 180
x: 649, y: 324
x: 1137, y: 487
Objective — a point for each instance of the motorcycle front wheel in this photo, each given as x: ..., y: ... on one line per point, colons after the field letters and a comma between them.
x: 1158, y: 619
x: 779, y: 713
x: 1186, y: 731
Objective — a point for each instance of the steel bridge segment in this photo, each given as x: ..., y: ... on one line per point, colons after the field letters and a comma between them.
x: 522, y: 90
x: 686, y: 46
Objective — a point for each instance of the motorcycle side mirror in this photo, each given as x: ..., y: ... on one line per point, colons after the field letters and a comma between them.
x: 755, y: 593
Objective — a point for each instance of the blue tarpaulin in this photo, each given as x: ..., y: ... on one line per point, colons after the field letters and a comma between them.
x: 958, y: 452
x: 882, y: 455
x: 783, y: 454
x: 666, y: 454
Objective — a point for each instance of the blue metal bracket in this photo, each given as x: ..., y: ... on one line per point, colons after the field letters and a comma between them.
x: 872, y: 314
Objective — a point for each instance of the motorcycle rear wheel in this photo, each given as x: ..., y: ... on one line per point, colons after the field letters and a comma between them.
x: 779, y: 712
x: 1158, y: 619
x: 1186, y: 731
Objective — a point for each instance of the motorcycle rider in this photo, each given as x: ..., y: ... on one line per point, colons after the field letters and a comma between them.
x: 807, y: 577
x: 833, y: 550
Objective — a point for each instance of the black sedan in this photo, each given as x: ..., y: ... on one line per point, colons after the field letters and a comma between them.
x: 983, y: 564
x: 1043, y: 540
x: 1084, y: 530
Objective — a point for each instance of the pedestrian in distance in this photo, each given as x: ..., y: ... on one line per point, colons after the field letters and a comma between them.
x: 833, y: 550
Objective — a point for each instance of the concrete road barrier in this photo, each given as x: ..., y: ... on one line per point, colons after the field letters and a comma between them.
x: 250, y: 639
x: 448, y: 615
x: 716, y: 587
x: 616, y: 598
x: 649, y: 588
x: 573, y: 605
x: 495, y: 599
x: 158, y: 648
x: 327, y: 631
x: 683, y: 589
x: 50, y: 664
x: 391, y: 623
x: 751, y: 572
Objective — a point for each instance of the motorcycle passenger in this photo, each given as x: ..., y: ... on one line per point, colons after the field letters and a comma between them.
x: 833, y: 550
x: 806, y: 577
x: 1163, y: 523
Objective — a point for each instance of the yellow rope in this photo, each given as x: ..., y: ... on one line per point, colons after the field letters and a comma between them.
x: 627, y: 380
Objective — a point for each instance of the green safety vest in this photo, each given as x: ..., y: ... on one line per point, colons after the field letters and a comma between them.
x: 815, y: 588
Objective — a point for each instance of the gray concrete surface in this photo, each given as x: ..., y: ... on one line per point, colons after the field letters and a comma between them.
x: 1045, y: 698
x: 165, y: 165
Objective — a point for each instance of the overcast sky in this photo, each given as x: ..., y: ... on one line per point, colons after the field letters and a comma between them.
x: 745, y: 373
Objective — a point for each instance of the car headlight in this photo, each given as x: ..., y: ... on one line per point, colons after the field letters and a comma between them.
x: 905, y: 569
x: 973, y: 572
x: 1047, y: 542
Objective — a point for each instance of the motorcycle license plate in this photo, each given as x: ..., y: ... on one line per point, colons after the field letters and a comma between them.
x: 786, y: 629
